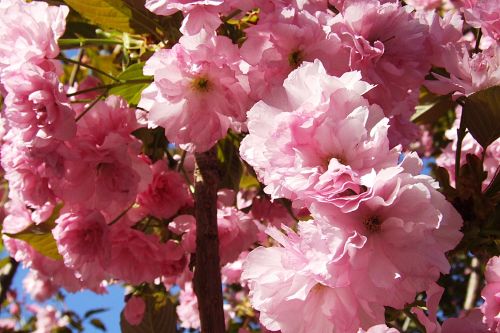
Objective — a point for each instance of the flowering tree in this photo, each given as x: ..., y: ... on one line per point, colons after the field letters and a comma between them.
x: 262, y: 157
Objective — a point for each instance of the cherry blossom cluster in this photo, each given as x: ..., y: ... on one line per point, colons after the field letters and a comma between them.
x: 340, y: 89
x: 340, y: 223
x: 75, y: 173
x: 370, y: 233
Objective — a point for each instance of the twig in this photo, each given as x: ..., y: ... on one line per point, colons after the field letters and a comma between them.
x: 181, y: 162
x: 472, y: 286
x: 92, y: 68
x: 76, y: 68
x: 415, y: 320
x: 478, y: 40
x: 91, y: 105
x: 81, y: 42
x: 109, y: 86
x: 122, y: 214
x: 6, y: 280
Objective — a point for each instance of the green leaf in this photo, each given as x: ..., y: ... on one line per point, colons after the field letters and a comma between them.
x: 124, y: 16
x: 481, y: 114
x: 155, y: 320
x: 44, y: 244
x: 40, y: 236
x: 79, y: 29
x: 248, y: 181
x: 92, y: 312
x: 109, y: 14
x: 98, y: 324
x: 154, y: 141
x: 431, y: 107
x: 4, y: 261
x: 131, y: 92
x: 229, y: 163
x: 105, y: 63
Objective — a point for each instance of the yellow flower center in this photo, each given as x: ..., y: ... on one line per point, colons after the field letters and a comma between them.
x: 201, y: 84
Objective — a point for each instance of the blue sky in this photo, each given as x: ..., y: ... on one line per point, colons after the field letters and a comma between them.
x: 87, y: 300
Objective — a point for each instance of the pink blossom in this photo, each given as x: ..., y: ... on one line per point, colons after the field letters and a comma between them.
x: 8, y: 323
x: 199, y: 15
x: 491, y: 295
x: 47, y: 268
x: 134, y: 310
x: 237, y: 232
x: 197, y: 94
x: 29, y: 32
x: 271, y: 214
x: 83, y: 240
x: 18, y: 217
x: 387, y: 44
x: 424, y: 4
x: 30, y: 170
x: 469, y: 322
x: 442, y: 32
x: 468, y: 74
x: 407, y: 225
x: 484, y: 15
x: 166, y: 194
x: 379, y: 329
x: 323, y: 139
x: 137, y: 257
x: 36, y: 104
x: 47, y: 319
x: 87, y: 83
x: 109, y: 116
x: 187, y: 310
x: 280, y: 42
x: 108, y: 176
x: 231, y: 272
x: 296, y: 279
x: 429, y: 321
x: 169, y: 7
x: 39, y: 287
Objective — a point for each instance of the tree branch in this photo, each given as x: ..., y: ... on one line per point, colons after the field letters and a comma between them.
x: 207, y: 278
x: 472, y: 286
x: 6, y: 280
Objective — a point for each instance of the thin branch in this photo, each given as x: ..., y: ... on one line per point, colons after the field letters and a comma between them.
x: 122, y: 214
x: 81, y: 42
x: 6, y: 280
x: 415, y: 320
x: 84, y: 91
x: 91, y: 105
x: 76, y: 68
x: 472, y: 286
x: 478, y: 40
x: 181, y: 162
x: 92, y: 68
x: 109, y: 86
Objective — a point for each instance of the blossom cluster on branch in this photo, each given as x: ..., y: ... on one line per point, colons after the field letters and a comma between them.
x: 317, y: 112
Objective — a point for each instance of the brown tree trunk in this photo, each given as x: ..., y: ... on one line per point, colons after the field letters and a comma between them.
x: 207, y: 279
